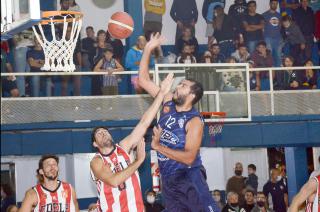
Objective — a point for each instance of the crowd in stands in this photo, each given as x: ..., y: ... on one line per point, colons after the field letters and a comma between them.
x: 240, y: 34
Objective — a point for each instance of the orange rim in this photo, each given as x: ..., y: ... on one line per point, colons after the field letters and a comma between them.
x: 214, y: 114
x: 48, y: 14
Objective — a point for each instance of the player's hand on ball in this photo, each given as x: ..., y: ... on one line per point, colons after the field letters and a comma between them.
x: 155, y: 40
x: 141, y: 151
x: 156, y: 137
x: 166, y: 84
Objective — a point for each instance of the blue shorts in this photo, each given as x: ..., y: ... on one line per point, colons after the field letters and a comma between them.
x: 187, y: 191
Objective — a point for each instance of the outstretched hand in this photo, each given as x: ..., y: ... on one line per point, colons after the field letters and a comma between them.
x: 166, y: 84
x: 156, y: 137
x: 155, y: 40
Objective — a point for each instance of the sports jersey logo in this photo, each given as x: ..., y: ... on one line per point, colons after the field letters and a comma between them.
x: 181, y: 122
x: 169, y: 137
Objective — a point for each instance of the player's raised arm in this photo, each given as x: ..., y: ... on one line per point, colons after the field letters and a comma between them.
x: 139, y: 131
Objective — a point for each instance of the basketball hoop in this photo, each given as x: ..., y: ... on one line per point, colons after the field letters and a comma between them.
x: 59, y: 51
x: 214, y: 127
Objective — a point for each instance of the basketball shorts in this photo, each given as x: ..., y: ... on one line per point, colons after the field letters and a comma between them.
x: 187, y: 191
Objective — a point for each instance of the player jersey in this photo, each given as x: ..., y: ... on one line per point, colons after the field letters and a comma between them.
x: 173, y: 135
x: 59, y: 200
x: 126, y: 197
x: 315, y: 206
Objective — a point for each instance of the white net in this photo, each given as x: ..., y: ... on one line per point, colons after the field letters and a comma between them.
x: 58, y: 51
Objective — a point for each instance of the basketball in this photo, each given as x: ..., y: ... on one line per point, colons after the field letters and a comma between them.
x: 120, y: 25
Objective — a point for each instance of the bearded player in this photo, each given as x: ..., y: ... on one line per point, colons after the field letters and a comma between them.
x: 178, y: 142
x: 50, y: 194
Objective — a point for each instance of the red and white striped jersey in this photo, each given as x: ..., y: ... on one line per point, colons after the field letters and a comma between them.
x: 315, y: 206
x: 126, y: 197
x: 59, y: 200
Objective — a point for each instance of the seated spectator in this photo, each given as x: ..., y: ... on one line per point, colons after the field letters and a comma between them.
x: 288, y: 79
x: 249, y: 200
x: 207, y: 57
x: 186, y: 55
x: 133, y: 59
x: 217, y: 57
x: 236, y: 183
x: 309, y: 80
x: 232, y: 203
x: 110, y: 65
x: 262, y: 58
x: 232, y: 81
x: 216, y: 194
x: 88, y: 48
x: 7, y: 198
x: 118, y: 48
x: 241, y: 55
x: 292, y: 35
x: 9, y: 85
x: 254, y: 84
x: 12, y: 208
x: 261, y: 203
x: 188, y: 38
x: 151, y: 205
x: 252, y: 180
x: 35, y: 57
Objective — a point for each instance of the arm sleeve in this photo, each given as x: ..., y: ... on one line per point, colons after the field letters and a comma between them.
x: 205, y: 9
x: 173, y: 11
x: 195, y: 11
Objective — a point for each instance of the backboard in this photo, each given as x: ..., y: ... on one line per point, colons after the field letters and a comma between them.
x: 18, y: 15
x: 226, y: 87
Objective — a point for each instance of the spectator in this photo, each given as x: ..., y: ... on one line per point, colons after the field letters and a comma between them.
x: 288, y: 79
x: 317, y: 31
x: 272, y: 32
x: 208, y: 15
x: 249, y: 200
x: 188, y: 38
x: 73, y: 6
x: 64, y: 5
x: 262, y: 58
x: 253, y: 24
x: 288, y: 7
x: 216, y: 195
x: 236, y: 183
x: 207, y: 57
x: 241, y: 55
x: 133, y: 59
x: 293, y: 36
x: 310, y: 77
x: 155, y: 9
x: 186, y: 55
x: 9, y: 84
x: 302, y: 15
x: 223, y: 33
x: 236, y: 13
x: 12, y: 208
x: 151, y: 205
x: 35, y: 57
x: 252, y: 180
x: 278, y: 191
x: 232, y: 203
x: 184, y: 12
x: 7, y: 197
x: 232, y: 81
x: 118, y: 49
x: 110, y: 65
x: 88, y: 48
x: 217, y: 57
x: 261, y: 204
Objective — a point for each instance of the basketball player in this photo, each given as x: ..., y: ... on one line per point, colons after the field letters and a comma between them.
x: 50, y: 194
x: 115, y: 173
x: 310, y: 192
x: 178, y: 142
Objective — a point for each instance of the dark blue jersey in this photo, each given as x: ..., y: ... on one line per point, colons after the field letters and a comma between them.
x: 173, y: 135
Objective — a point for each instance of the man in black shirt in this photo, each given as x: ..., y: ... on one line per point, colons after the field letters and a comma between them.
x: 236, y: 13
x: 88, y: 48
x: 249, y: 200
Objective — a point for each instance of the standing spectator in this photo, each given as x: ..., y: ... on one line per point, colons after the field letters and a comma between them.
x: 249, y: 200
x: 217, y: 57
x: 252, y: 180
x: 288, y: 79
x: 223, y: 33
x: 236, y: 183
x: 8, y: 84
x: 88, y: 48
x: 73, y: 6
x: 288, y: 7
x: 35, y: 57
x: 253, y: 24
x: 188, y: 38
x: 309, y: 80
x: 294, y: 37
x: 233, y: 203
x: 216, y: 194
x: 304, y: 18
x: 262, y: 58
x: 186, y: 55
x: 317, y: 31
x: 208, y: 14
x: 272, y: 32
x: 261, y: 204
x: 151, y: 205
x: 118, y: 49
x: 278, y: 191
x: 236, y: 13
x: 155, y: 9
x: 241, y: 55
x: 110, y: 65
x: 133, y: 59
x: 184, y: 12
x: 7, y: 197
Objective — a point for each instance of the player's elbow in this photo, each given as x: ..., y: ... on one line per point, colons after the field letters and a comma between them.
x: 189, y: 161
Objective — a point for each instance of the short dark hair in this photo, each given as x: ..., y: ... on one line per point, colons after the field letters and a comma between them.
x: 262, y: 42
x: 216, y: 190
x: 214, y: 44
x: 252, y: 2
x: 273, y: 0
x: 260, y: 192
x: 252, y: 166
x: 45, y: 157
x: 108, y: 48
x: 288, y: 57
x: 250, y: 191
x: 242, y: 45
x: 286, y: 18
x: 61, y: 1
x: 101, y: 31
x: 89, y: 27
x: 95, y: 130
x: 197, y: 90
